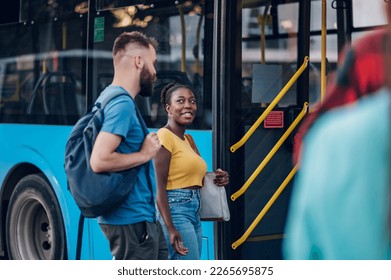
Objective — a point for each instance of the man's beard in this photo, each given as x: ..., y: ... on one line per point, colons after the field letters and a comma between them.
x: 146, y: 83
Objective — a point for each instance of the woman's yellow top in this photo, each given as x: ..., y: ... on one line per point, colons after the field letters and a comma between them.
x: 187, y: 168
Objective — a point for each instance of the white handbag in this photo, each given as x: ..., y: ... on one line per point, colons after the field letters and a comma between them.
x: 214, y: 204
x: 213, y: 199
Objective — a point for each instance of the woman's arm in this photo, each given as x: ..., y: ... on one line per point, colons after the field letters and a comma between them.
x: 162, y: 165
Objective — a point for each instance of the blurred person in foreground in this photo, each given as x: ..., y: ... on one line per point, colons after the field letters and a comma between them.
x: 340, y: 207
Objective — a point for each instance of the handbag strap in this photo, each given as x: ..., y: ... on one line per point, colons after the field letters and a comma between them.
x: 192, y: 143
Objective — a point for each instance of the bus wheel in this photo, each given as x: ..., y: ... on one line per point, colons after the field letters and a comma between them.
x: 34, y: 226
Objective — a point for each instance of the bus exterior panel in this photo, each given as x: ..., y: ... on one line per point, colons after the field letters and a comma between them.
x: 60, y: 62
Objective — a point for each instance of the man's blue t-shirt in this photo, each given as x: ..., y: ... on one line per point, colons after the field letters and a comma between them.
x: 120, y: 118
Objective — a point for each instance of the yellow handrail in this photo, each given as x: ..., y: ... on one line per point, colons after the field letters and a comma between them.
x: 262, y: 21
x: 271, y: 153
x: 198, y: 35
x: 183, y: 45
x: 271, y: 106
x: 64, y: 36
x: 323, y: 52
x: 242, y: 239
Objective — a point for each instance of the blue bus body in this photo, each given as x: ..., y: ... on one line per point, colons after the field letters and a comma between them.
x: 45, y: 150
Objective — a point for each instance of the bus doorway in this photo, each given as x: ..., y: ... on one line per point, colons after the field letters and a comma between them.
x: 264, y: 90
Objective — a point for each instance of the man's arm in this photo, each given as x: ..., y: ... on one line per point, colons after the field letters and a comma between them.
x: 105, y: 158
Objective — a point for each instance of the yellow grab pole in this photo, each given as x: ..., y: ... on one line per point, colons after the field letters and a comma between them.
x: 323, y: 52
x: 183, y: 45
x: 270, y: 154
x: 64, y: 36
x: 262, y: 20
x: 242, y: 239
x: 198, y: 34
x: 241, y: 142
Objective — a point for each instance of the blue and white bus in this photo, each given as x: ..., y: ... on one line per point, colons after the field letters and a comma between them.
x: 257, y: 66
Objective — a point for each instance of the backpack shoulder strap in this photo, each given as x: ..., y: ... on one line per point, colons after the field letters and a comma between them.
x: 116, y: 93
x: 110, y: 96
x: 192, y: 143
x: 79, y: 236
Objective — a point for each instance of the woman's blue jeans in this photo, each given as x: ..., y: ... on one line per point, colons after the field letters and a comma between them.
x: 184, y: 207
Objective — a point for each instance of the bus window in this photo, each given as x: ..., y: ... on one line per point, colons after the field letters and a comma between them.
x: 179, y: 30
x: 114, y: 4
x: 11, y: 13
x: 269, y: 47
x: 274, y: 57
x: 363, y: 12
x: 33, y: 10
x: 41, y: 74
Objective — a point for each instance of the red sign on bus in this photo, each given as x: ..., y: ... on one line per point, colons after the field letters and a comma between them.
x: 275, y: 119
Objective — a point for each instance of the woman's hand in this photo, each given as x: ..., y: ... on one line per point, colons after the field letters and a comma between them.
x: 222, y: 178
x: 176, y: 242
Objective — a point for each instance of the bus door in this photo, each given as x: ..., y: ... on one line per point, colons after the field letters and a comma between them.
x: 271, y: 66
x: 264, y: 92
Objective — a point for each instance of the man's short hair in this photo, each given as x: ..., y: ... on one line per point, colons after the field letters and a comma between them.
x: 133, y: 37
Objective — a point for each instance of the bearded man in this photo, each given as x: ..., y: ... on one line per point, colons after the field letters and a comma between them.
x: 131, y: 229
